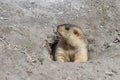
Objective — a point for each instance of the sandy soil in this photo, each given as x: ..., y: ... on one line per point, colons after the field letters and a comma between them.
x: 26, y: 24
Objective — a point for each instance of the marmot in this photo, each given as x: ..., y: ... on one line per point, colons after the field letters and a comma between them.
x: 72, y: 46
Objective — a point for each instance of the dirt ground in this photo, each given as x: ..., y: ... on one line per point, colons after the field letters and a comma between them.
x: 26, y: 24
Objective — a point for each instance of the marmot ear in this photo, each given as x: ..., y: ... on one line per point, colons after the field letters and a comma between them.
x: 76, y: 33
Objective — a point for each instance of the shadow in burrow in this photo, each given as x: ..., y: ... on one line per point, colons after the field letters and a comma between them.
x: 51, y: 46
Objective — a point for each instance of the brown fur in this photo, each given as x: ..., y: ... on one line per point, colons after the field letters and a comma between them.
x: 72, y: 46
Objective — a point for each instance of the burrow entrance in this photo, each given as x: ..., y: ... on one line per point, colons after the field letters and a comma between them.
x: 51, y: 46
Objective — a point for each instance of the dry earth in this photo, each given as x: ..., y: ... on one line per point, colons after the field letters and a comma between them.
x: 26, y: 24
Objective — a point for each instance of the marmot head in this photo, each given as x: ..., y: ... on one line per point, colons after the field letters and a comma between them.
x: 69, y: 32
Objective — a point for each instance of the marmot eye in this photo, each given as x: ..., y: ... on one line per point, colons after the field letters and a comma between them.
x: 75, y: 32
x: 67, y: 28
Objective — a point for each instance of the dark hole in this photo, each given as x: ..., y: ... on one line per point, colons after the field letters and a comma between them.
x: 51, y: 46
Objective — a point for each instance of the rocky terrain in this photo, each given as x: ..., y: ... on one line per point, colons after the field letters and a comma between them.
x: 26, y: 24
